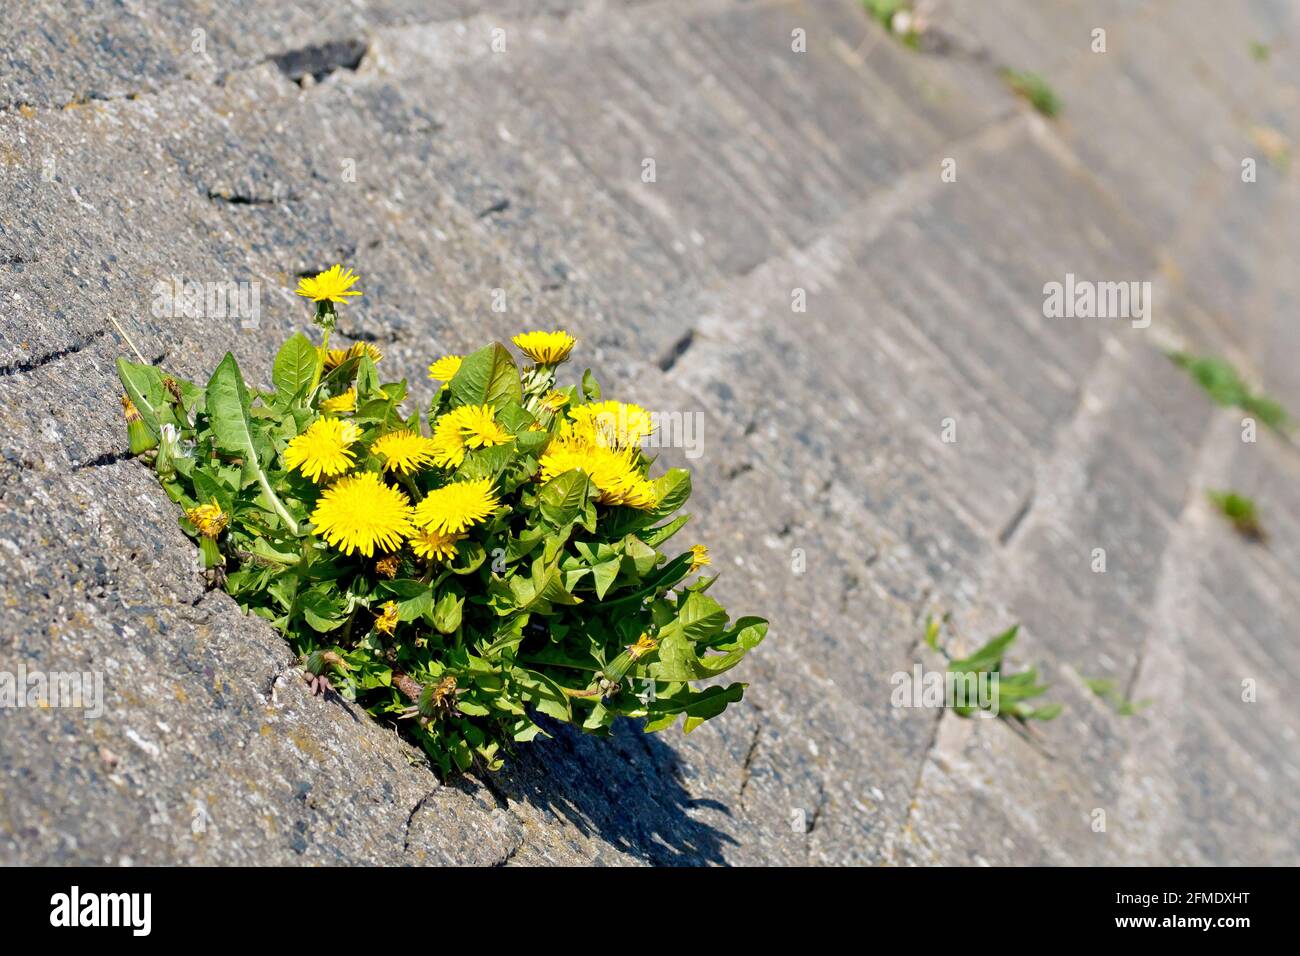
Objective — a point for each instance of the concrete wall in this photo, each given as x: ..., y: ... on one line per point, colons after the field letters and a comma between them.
x: 128, y: 156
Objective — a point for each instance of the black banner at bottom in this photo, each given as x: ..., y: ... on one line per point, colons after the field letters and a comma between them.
x: 345, y: 905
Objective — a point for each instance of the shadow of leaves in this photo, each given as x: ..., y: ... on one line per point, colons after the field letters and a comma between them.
x: 627, y: 789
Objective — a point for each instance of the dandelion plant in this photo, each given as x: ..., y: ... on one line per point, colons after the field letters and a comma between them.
x: 461, y: 573
x: 1013, y: 690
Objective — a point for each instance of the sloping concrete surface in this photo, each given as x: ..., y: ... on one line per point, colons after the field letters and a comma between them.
x: 402, y: 139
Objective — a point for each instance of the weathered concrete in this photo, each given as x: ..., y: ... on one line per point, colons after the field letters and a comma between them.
x: 128, y: 157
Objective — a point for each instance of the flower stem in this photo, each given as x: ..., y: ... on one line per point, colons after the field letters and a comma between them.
x: 320, y: 360
x: 409, y: 482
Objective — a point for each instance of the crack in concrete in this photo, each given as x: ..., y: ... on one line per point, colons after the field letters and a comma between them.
x: 746, y: 766
x: 406, y: 828
x: 31, y: 365
x: 100, y: 461
x: 1009, y: 530
x: 915, y: 793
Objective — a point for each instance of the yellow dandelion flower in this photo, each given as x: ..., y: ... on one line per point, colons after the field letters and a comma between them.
x: 405, y: 451
x: 699, y: 557
x: 388, y: 566
x: 545, y: 348
x: 616, y: 424
x: 129, y: 410
x: 386, y: 622
x: 445, y: 369
x: 336, y: 357
x: 360, y: 513
x: 435, y: 545
x: 456, y: 507
x: 469, y: 426
x: 449, y: 443
x: 480, y: 428
x: 613, y: 471
x: 323, y: 449
x: 347, y: 402
x: 332, y: 285
x: 209, y: 519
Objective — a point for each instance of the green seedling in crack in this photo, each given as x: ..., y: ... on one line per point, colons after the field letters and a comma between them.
x: 1034, y: 89
x: 1107, y: 691
x: 1014, y: 691
x: 1225, y: 387
x: 1240, y: 511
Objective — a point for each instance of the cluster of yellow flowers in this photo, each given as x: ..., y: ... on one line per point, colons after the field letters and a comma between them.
x: 360, y: 512
x: 601, y: 440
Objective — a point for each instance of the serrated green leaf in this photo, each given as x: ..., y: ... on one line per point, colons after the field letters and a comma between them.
x: 678, y: 660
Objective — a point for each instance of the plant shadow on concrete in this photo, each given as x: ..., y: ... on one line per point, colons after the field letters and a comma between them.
x: 626, y: 789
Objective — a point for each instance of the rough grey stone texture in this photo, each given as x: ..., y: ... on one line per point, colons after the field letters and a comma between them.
x: 127, y: 157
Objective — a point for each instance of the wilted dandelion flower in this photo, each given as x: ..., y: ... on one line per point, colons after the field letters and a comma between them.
x: 323, y: 449
x: 554, y: 401
x: 643, y: 646
x: 545, y: 348
x: 347, y: 402
x: 456, y: 507
x: 386, y: 623
x: 332, y: 285
x: 361, y: 513
x: 137, y: 432
x: 209, y: 519
x: 699, y: 557
x: 435, y: 545
x: 405, y: 451
x: 388, y: 566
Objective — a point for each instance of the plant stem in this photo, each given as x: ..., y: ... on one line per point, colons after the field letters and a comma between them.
x: 320, y: 360
x: 409, y: 482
